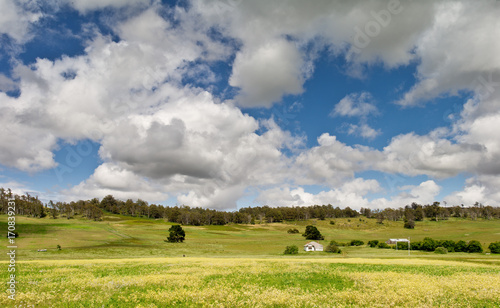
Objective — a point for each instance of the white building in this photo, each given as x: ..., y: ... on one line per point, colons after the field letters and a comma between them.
x: 396, y: 240
x: 313, y: 246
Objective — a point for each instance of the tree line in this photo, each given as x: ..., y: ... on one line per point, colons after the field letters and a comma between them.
x: 94, y: 209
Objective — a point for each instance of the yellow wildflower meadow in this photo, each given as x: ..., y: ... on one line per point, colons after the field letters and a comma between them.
x: 252, y: 282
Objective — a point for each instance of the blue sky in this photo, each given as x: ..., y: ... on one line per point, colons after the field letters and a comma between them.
x: 226, y: 104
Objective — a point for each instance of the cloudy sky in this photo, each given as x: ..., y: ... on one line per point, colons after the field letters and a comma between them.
x: 230, y: 103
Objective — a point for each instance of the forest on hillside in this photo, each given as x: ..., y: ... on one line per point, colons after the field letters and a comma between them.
x: 95, y: 209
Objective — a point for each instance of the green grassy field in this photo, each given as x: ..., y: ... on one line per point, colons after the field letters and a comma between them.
x: 119, y: 236
x: 124, y: 262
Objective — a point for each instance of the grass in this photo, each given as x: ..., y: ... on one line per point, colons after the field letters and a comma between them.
x: 255, y: 282
x: 125, y: 262
x: 121, y: 236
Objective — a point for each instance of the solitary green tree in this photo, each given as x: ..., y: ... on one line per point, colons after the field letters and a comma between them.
x: 177, y: 235
x: 312, y: 233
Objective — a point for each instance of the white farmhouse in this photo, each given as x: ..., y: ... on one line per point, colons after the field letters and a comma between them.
x: 396, y: 240
x: 313, y: 246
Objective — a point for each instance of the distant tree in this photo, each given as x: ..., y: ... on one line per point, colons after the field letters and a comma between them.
x: 474, y: 246
x: 177, y: 235
x: 332, y: 222
x: 380, y: 218
x: 293, y: 231
x: 59, y: 247
x: 409, y: 224
x: 461, y: 246
x: 373, y: 243
x: 321, y: 214
x: 95, y: 213
x: 108, y: 203
x: 348, y: 212
x: 39, y: 209
x: 401, y: 245
x: 274, y: 215
x: 291, y: 250
x: 416, y: 245
x: 53, y: 209
x: 366, y: 212
x: 419, y: 213
x: 218, y: 219
x: 175, y: 214
x: 238, y: 218
x: 433, y: 211
x: 312, y: 233
x: 494, y: 247
x: 68, y: 210
x: 332, y: 247
x: 357, y: 243
x: 428, y: 244
x: 383, y: 245
x: 448, y: 244
x: 409, y: 213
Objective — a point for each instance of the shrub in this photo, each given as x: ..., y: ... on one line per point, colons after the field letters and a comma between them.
x: 332, y: 222
x: 409, y: 224
x: 338, y: 243
x: 293, y: 231
x: 357, y: 243
x: 373, y: 243
x: 402, y: 245
x: 428, y: 244
x: 448, y: 244
x: 312, y: 233
x: 441, y: 250
x: 177, y: 235
x: 461, y: 246
x: 59, y: 247
x: 383, y: 245
x: 333, y: 248
x: 417, y: 245
x: 474, y: 246
x: 291, y: 250
x: 494, y: 247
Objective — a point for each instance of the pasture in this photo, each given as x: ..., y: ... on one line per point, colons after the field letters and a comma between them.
x: 255, y: 282
x: 124, y: 262
x: 128, y: 237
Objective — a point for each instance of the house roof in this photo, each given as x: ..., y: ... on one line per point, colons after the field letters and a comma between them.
x: 398, y: 240
x: 315, y: 244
